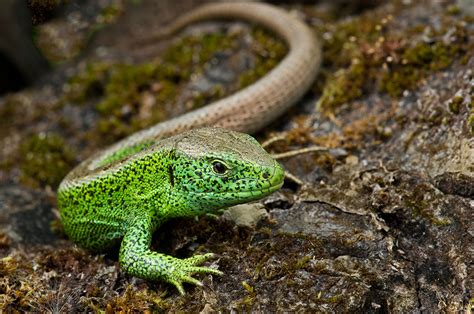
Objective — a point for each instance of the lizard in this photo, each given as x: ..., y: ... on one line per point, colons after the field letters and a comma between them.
x: 196, y: 163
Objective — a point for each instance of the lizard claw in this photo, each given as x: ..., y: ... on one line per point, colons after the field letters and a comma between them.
x: 183, y: 269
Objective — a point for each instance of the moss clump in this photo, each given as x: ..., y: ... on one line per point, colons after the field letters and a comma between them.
x: 470, y: 116
x: 11, y: 293
x: 268, y: 51
x: 135, y: 96
x: 416, y: 200
x: 343, y: 43
x: 45, y: 159
x: 87, y: 84
x: 302, y: 262
x: 453, y: 9
x: 434, y: 56
x: 344, y: 86
x: 330, y: 300
x: 130, y: 95
x: 419, y: 60
x: 393, y: 60
x: 124, y: 85
x: 470, y: 122
x: 455, y: 103
x: 134, y: 299
x: 190, y: 53
x: 110, y: 13
x: 416, y: 62
x: 345, y: 53
x: 396, y: 81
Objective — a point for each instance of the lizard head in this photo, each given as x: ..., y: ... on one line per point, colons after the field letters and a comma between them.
x: 214, y: 168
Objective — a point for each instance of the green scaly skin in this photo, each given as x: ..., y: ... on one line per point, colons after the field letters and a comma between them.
x: 132, y: 192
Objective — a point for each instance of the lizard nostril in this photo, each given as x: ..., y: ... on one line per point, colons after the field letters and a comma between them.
x: 265, y: 175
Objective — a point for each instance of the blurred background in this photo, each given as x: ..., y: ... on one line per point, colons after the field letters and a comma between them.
x: 37, y: 36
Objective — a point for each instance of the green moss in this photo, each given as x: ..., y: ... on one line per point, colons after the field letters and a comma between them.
x: 122, y: 88
x: 453, y: 10
x: 455, y: 103
x: 417, y: 202
x: 417, y: 61
x: 130, y: 97
x: 123, y: 99
x: 338, y: 49
x: 344, y: 86
x: 302, y: 262
x: 189, y: 54
x: 319, y: 299
x: 268, y: 51
x: 133, y: 299
x: 343, y: 41
x: 434, y: 56
x: 45, y: 159
x: 248, y: 287
x: 87, y: 84
x: 110, y: 13
x: 345, y: 54
x: 470, y: 117
x: 394, y: 61
x: 470, y: 122
x: 394, y: 82
x: 124, y: 85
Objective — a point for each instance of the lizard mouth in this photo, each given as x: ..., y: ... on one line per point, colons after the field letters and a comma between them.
x: 248, y: 193
x: 260, y: 192
x: 274, y: 183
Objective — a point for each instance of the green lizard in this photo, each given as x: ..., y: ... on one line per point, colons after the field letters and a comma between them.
x: 122, y: 194
x: 190, y: 174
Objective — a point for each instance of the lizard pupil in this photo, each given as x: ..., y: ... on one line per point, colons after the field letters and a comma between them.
x: 219, y: 167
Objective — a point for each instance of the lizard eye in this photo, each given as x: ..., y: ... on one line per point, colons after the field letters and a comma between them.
x: 219, y: 167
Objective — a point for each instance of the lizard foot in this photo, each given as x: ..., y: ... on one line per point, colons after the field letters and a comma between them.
x: 184, y: 268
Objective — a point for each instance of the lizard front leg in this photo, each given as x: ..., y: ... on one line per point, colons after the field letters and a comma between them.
x: 138, y: 260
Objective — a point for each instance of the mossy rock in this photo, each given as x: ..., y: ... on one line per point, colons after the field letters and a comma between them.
x: 45, y: 159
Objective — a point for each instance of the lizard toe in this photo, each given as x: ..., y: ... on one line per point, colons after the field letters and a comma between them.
x: 198, y: 259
